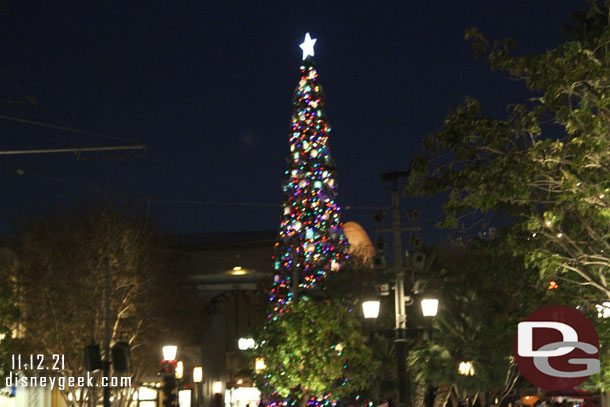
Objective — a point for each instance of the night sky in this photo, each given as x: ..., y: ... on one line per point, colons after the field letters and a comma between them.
x: 208, y: 85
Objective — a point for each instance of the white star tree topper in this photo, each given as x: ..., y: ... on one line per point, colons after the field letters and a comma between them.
x: 307, y: 46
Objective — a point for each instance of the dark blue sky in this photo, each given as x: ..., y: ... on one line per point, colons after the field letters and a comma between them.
x: 207, y: 85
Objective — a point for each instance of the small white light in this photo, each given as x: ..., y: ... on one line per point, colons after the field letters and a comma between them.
x: 169, y: 352
x: 560, y: 235
x: 602, y: 196
x: 534, y: 234
x: 217, y: 387
x: 429, y: 307
x: 603, y: 310
x: 548, y: 223
x: 370, y: 309
x: 198, y: 374
x: 245, y: 343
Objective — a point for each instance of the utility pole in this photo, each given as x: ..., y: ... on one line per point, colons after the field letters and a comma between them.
x: 400, y: 340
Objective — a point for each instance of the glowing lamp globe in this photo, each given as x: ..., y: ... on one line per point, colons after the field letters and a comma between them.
x: 429, y: 307
x: 169, y: 352
x: 217, y: 387
x: 179, y: 372
x: 198, y: 374
x: 370, y: 309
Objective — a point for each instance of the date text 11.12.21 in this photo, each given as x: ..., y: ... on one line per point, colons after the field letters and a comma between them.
x: 37, y: 362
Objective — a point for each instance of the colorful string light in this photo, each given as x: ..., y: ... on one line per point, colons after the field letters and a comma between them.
x: 311, y: 241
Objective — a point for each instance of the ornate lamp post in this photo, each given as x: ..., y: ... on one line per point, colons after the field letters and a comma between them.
x: 429, y: 308
x: 168, y: 371
x: 401, y: 300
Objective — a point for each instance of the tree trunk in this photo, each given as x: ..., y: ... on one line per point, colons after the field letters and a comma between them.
x: 304, y: 397
x: 419, y: 396
x: 442, y: 395
x: 455, y: 396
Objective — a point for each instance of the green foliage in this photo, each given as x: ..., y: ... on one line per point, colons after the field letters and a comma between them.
x: 486, y: 292
x: 602, y: 325
x: 318, y: 347
x: 546, y: 165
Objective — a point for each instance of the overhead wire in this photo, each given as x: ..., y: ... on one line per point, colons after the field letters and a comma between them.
x: 33, y: 101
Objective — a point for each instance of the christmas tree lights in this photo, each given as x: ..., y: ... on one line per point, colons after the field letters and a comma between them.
x: 311, y: 241
x: 314, y: 348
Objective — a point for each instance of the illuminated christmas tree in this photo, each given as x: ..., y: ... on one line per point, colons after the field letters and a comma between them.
x: 311, y: 241
x: 314, y: 349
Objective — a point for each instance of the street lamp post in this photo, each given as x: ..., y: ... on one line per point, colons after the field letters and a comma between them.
x: 400, y: 340
x: 400, y: 299
x: 168, y: 370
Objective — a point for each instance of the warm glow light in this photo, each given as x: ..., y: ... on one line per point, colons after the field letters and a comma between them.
x: 259, y: 364
x: 179, y: 370
x: 466, y: 369
x: 217, y: 387
x: 198, y: 374
x: 169, y: 352
x: 370, y: 309
x: 429, y: 307
x: 238, y: 271
x: 529, y: 400
x: 245, y: 343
